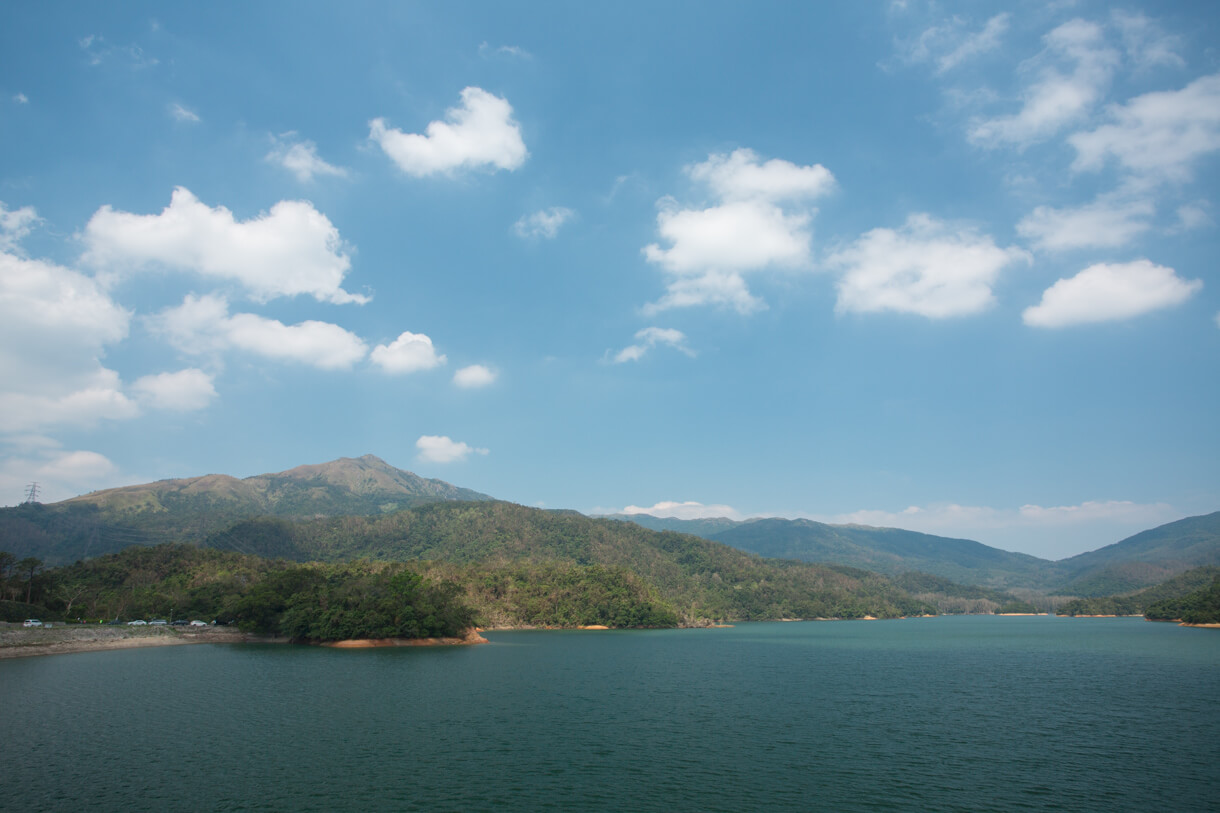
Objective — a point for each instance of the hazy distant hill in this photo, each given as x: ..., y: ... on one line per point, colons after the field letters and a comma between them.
x: 1145, y: 559
x: 1142, y: 560
x: 890, y: 551
x: 188, y: 509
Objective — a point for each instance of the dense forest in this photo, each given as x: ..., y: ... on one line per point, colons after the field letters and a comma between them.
x: 302, y: 602
x: 1200, y: 606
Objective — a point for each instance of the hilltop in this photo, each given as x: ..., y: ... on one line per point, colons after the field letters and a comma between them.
x: 188, y: 509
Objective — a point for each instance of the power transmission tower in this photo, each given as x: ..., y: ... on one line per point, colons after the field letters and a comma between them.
x: 31, y: 494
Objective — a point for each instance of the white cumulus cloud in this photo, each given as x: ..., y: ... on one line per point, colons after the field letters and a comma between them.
x: 292, y: 249
x: 481, y: 132
x: 1157, y: 135
x: 441, y: 449
x: 760, y: 222
x: 741, y: 176
x: 201, y: 325
x: 183, y: 391
x: 55, y: 325
x: 1109, y: 292
x: 474, y: 377
x: 301, y: 158
x: 409, y: 353
x: 927, y: 267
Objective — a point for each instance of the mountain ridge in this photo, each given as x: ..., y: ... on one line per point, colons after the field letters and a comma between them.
x: 1138, y: 561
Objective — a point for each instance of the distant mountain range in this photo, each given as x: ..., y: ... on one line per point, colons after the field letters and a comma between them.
x: 260, y: 514
x: 1142, y: 560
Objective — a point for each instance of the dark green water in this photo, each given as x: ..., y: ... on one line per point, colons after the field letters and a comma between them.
x: 969, y: 714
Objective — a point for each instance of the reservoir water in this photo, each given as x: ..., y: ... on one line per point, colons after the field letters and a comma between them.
x: 955, y: 713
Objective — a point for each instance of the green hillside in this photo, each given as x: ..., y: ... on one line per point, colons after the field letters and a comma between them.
x: 1200, y: 606
x: 1136, y: 603
x: 697, y: 579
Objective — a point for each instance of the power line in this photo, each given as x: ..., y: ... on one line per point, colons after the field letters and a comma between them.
x: 31, y: 494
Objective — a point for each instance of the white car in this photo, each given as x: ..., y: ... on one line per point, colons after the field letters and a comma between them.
x: 32, y: 622
x: 137, y: 623
x: 198, y: 623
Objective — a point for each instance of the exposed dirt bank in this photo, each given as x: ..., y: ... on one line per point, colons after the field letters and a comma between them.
x: 471, y: 637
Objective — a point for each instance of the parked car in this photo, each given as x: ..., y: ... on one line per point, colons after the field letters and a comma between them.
x: 137, y: 623
x: 178, y: 622
x: 198, y: 623
x: 32, y: 622
x: 158, y: 622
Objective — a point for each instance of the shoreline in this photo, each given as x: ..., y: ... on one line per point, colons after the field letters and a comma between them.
x: 69, y: 639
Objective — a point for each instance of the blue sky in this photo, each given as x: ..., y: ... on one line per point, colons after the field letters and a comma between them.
x: 942, y: 266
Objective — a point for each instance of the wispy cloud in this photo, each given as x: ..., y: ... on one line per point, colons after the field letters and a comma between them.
x: 300, y: 157
x: 182, y: 114
x: 543, y: 224
x: 683, y: 510
x: 649, y: 338
x: 1073, y: 72
x: 516, y: 52
x: 98, y: 51
x: 951, y: 43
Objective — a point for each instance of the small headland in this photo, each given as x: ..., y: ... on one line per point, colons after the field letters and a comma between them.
x: 470, y: 638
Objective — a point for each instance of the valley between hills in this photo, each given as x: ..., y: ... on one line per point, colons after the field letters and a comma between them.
x: 358, y: 548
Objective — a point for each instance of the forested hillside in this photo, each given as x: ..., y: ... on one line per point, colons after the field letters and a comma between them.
x: 697, y: 578
x: 890, y: 551
x: 1135, y: 603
